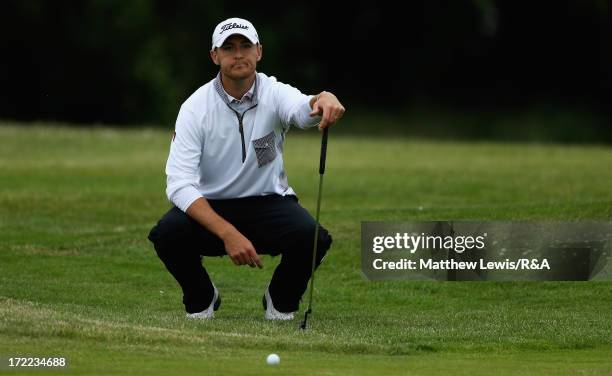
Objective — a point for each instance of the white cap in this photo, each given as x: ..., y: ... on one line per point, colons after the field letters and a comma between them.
x: 233, y: 26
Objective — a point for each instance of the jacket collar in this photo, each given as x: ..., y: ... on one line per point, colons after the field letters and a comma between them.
x: 219, y: 89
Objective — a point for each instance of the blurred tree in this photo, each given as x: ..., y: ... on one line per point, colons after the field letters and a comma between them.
x: 136, y: 61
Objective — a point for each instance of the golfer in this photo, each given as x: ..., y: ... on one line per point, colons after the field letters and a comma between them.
x: 227, y: 181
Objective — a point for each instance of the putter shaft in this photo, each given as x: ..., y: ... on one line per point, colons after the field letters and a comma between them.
x: 316, y: 236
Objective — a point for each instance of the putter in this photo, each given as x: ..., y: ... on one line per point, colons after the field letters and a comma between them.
x: 316, y: 237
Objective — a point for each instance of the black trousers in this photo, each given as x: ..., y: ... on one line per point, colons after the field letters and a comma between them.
x: 274, y: 224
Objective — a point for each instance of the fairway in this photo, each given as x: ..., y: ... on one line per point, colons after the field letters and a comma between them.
x: 79, y: 279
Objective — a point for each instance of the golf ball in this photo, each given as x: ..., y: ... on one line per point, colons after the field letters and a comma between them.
x: 273, y: 359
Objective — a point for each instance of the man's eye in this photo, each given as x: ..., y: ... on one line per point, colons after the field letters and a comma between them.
x: 226, y: 48
x: 246, y: 46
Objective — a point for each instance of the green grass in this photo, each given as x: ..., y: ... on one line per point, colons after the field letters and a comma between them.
x: 79, y: 279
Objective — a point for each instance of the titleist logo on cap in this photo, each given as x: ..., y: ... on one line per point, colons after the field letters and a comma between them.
x: 232, y: 25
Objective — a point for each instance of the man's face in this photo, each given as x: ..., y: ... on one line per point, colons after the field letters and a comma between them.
x: 237, y: 57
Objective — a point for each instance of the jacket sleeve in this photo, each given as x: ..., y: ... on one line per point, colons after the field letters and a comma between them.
x: 294, y: 107
x: 183, y: 166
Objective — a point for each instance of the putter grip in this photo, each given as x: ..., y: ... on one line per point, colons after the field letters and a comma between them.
x: 323, y: 151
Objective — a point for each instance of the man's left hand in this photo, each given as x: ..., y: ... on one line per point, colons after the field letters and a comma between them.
x: 328, y: 107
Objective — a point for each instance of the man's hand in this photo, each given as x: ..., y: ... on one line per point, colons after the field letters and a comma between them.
x: 240, y: 249
x: 328, y: 106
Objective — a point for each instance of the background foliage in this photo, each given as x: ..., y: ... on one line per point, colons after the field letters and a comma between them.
x: 126, y: 62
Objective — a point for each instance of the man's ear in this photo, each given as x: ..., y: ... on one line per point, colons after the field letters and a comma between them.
x: 214, y: 57
x: 259, y: 51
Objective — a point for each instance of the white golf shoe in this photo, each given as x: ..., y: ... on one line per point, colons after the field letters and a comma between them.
x: 271, y: 312
x: 209, y: 312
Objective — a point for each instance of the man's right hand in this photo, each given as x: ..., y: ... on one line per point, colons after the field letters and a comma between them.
x: 240, y: 249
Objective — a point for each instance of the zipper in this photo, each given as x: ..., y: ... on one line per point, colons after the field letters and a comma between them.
x: 241, y: 128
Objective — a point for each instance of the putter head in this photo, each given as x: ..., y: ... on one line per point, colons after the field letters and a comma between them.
x: 303, y: 324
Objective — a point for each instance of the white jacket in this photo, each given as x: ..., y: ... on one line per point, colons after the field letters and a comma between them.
x: 209, y: 155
